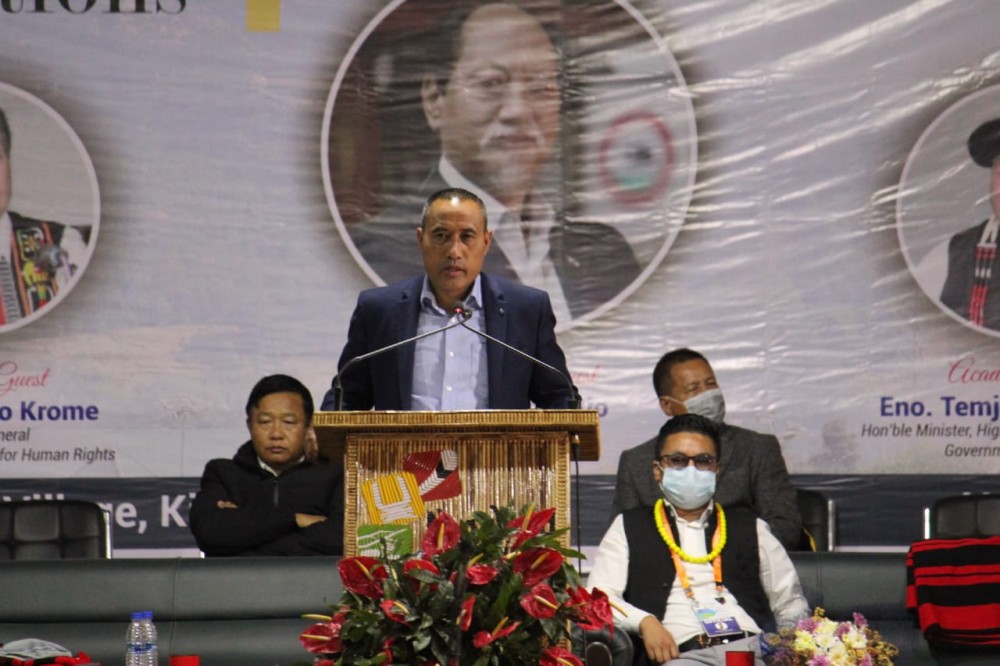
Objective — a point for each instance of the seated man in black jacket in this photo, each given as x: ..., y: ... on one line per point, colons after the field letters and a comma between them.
x: 270, y: 499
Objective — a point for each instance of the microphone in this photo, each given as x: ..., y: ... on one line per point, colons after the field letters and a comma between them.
x: 338, y: 389
x: 464, y: 314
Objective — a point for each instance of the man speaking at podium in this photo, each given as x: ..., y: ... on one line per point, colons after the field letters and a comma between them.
x: 452, y: 367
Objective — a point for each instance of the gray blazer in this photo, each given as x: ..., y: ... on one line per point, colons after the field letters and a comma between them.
x: 752, y: 473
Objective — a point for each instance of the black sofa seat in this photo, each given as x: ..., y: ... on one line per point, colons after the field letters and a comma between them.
x: 232, y: 612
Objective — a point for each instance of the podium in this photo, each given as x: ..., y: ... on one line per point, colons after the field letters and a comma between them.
x: 400, y: 466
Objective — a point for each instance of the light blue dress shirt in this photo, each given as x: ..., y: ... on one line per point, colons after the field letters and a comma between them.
x: 449, y: 369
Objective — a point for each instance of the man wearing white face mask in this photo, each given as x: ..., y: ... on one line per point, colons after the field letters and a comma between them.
x: 695, y: 578
x: 752, y: 471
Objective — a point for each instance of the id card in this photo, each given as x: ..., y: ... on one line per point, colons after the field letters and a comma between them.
x: 716, y: 622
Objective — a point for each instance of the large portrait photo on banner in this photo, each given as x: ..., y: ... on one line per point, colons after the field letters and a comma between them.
x: 49, y: 208
x: 571, y: 121
x: 948, y: 211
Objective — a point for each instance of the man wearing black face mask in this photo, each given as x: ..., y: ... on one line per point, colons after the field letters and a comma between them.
x: 752, y: 471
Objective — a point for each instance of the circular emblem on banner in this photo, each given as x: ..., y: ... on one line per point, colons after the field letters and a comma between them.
x: 576, y: 129
x: 637, y: 157
x: 948, y: 211
x: 49, y: 208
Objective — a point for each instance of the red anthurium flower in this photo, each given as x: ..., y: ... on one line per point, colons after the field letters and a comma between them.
x: 423, y: 565
x: 537, y: 564
x: 394, y: 610
x: 591, y: 611
x: 387, y: 649
x: 465, y: 614
x: 579, y: 599
x: 484, y: 638
x: 363, y: 575
x: 598, y: 612
x: 558, y: 656
x: 530, y: 525
x: 442, y: 535
x: 323, y: 662
x: 540, y: 602
x: 417, y: 563
x: 322, y: 638
x: 480, y: 574
x: 578, y: 596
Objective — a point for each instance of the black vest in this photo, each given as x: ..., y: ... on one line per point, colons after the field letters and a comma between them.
x: 651, y: 570
x: 958, y: 284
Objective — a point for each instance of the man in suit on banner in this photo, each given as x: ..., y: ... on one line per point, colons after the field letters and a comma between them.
x: 37, y: 258
x: 961, y: 271
x: 752, y: 471
x: 455, y: 369
x: 492, y: 94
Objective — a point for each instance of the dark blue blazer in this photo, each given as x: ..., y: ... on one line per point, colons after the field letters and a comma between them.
x: 520, y: 316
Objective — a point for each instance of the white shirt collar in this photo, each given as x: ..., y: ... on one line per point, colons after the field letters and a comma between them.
x: 702, y: 519
x: 451, y: 175
x: 541, y: 213
x: 474, y: 300
x: 989, y: 236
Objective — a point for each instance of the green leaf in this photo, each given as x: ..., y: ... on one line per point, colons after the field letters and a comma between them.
x: 421, y: 641
x: 442, y: 651
x: 424, y: 576
x: 554, y: 629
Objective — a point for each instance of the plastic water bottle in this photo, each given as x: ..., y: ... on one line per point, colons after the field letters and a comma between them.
x: 135, y: 641
x: 152, y: 658
x: 140, y: 641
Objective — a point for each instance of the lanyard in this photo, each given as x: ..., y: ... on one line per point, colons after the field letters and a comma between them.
x: 716, y: 565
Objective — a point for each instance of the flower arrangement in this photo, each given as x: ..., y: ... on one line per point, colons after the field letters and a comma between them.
x: 495, y: 590
x: 820, y: 641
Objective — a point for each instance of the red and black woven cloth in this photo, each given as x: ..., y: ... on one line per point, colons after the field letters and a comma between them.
x: 953, y: 586
x: 79, y: 660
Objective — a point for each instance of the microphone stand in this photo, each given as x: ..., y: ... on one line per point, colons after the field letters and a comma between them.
x: 464, y: 314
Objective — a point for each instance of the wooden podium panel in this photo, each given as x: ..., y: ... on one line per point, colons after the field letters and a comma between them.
x: 499, y: 457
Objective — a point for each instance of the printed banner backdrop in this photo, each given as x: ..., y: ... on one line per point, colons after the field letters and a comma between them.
x: 785, y: 186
